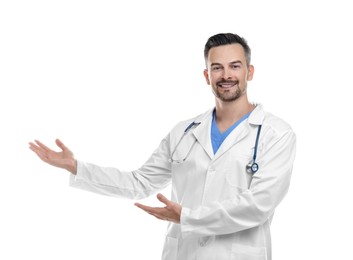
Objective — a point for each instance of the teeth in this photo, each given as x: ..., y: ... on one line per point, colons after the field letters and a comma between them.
x: 226, y: 86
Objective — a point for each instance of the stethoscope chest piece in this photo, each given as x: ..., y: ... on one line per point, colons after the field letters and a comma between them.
x: 252, y: 167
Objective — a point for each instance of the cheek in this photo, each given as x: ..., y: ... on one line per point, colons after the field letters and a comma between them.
x: 214, y: 77
x: 243, y: 77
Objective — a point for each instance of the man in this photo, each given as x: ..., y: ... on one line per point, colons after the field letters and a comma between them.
x: 229, y: 168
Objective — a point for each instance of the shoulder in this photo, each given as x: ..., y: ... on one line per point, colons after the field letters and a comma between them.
x: 276, y: 130
x: 268, y: 120
x: 182, y: 125
x: 276, y: 123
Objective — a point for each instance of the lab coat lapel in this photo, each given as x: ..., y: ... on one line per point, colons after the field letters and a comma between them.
x: 242, y: 130
x: 233, y: 138
x: 203, y: 133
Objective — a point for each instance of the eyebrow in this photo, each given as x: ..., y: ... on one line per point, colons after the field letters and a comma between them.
x: 237, y: 61
x: 232, y: 62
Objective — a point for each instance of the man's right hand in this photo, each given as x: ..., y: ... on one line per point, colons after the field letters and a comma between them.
x: 63, y: 159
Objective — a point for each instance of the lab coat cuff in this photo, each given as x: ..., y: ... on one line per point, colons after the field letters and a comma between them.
x: 75, y: 177
x: 185, y: 228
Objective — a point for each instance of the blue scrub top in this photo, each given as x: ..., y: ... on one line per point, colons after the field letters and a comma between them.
x: 217, y: 137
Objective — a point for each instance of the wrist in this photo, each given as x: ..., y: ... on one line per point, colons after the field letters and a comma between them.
x: 72, y: 166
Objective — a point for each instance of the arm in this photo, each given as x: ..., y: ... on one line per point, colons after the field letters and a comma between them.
x: 154, y: 175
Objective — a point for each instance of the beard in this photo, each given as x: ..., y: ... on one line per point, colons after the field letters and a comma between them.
x: 228, y: 95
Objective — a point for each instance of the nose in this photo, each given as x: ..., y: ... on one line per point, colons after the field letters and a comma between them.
x: 227, y: 74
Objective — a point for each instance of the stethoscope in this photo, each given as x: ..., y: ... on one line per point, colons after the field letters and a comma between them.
x: 252, y: 167
x: 192, y: 125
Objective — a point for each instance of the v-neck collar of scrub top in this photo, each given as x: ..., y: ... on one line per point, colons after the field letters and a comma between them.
x: 218, y: 137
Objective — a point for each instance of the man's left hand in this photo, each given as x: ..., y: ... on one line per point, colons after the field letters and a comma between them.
x: 171, y: 212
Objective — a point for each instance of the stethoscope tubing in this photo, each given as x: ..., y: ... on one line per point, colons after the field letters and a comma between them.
x: 252, y: 167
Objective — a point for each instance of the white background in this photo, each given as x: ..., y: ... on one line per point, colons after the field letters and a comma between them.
x: 111, y: 78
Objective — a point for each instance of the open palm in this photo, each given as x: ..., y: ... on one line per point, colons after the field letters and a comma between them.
x: 63, y: 159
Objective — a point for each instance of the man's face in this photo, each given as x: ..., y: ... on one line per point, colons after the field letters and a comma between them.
x: 227, y: 72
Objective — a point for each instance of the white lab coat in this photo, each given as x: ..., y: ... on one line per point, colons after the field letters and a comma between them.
x: 226, y: 212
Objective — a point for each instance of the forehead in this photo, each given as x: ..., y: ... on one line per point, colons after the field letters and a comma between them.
x: 227, y: 53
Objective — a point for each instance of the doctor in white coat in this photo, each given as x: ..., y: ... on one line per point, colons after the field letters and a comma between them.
x: 229, y: 168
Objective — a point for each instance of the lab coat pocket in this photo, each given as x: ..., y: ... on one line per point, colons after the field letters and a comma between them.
x: 231, y: 187
x: 235, y: 171
x: 237, y: 181
x: 242, y: 252
x: 170, y: 249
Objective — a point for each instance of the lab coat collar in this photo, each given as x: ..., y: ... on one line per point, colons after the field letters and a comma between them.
x: 203, y: 132
x: 257, y: 115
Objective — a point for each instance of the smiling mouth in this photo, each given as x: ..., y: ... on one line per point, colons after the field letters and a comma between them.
x: 227, y: 84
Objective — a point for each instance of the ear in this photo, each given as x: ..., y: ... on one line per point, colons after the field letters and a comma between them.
x: 251, y: 71
x: 205, y: 73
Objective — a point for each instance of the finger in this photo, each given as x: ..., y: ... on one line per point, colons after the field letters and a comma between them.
x: 163, y: 199
x: 35, y: 147
x: 41, y: 145
x: 39, y: 152
x: 155, y: 211
x: 32, y: 145
x: 151, y: 212
x: 145, y: 208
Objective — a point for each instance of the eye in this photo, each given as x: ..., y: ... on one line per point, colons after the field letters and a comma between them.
x: 235, y: 66
x: 215, y: 68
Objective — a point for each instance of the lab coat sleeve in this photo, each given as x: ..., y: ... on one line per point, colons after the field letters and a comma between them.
x: 251, y: 207
x: 151, y: 177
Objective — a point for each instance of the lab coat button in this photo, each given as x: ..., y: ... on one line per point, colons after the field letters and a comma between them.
x: 211, y: 170
x: 202, y: 244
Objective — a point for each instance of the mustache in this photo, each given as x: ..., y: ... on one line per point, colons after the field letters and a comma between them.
x: 234, y: 82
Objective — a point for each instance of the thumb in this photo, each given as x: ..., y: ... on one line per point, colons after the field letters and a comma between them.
x: 163, y: 199
x: 60, y: 144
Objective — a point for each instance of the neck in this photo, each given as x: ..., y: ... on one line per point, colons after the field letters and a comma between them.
x: 228, y: 113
